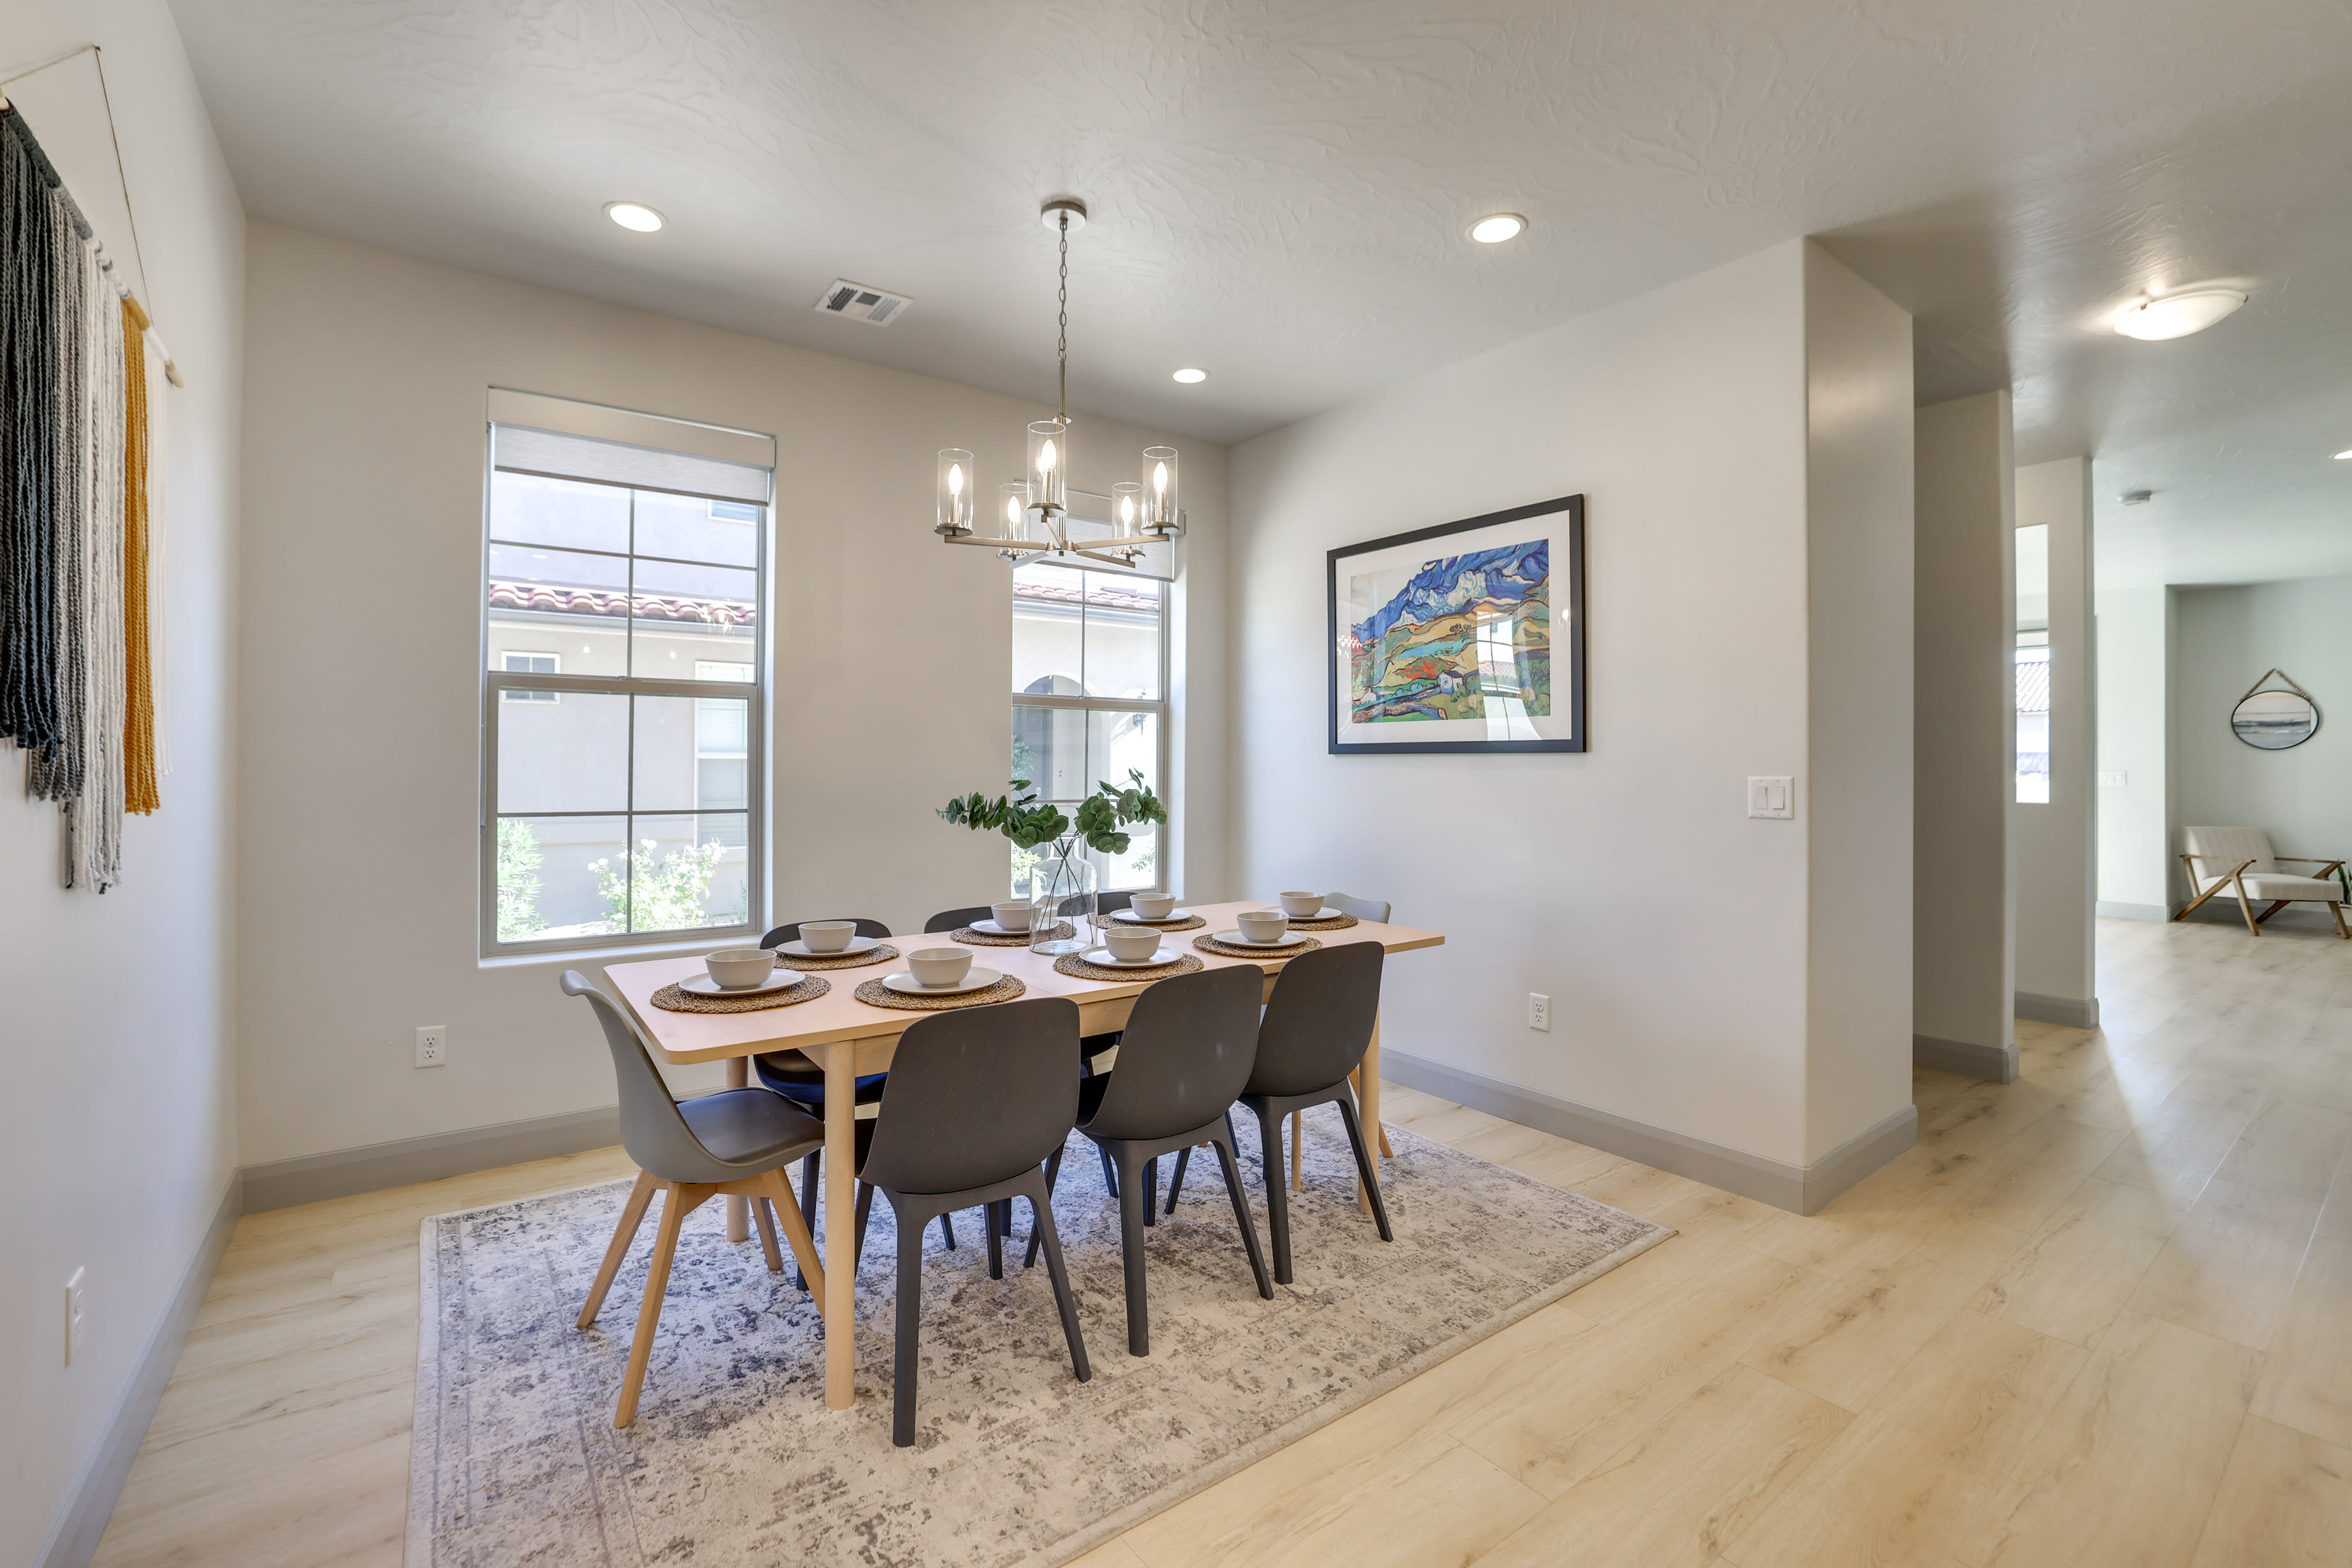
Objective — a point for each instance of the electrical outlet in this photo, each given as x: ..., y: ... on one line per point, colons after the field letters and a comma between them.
x: 431, y: 1045
x: 1539, y: 1011
x: 73, y: 1314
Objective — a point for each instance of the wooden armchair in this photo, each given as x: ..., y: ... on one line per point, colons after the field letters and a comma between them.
x: 2239, y: 859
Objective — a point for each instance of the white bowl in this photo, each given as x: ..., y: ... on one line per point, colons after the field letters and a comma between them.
x: 1131, y: 946
x: 1301, y: 906
x: 1154, y: 906
x: 1011, y: 916
x: 828, y: 936
x: 939, y: 965
x: 740, y: 968
x: 1263, y: 925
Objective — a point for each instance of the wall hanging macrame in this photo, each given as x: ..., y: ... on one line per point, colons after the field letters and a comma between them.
x: 79, y: 410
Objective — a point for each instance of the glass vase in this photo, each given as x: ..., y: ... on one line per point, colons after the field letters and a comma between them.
x: 1062, y: 891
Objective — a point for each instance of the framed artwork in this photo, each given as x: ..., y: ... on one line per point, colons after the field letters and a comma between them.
x: 1469, y: 636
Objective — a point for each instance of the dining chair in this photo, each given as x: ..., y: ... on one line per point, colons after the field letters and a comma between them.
x: 733, y: 1143
x: 1362, y: 909
x: 978, y: 1099
x: 793, y: 1076
x: 949, y: 920
x: 1189, y: 1044
x: 1317, y: 1026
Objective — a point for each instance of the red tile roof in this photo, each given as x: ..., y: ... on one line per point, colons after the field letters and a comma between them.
x: 541, y: 598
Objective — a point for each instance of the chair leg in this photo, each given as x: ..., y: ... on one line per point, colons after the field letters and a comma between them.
x: 1277, y: 1202
x: 1110, y: 1172
x: 1298, y: 1151
x: 2247, y: 910
x: 2341, y: 929
x: 1151, y: 1190
x: 1041, y: 1209
x: 2275, y: 909
x: 947, y: 1230
x: 1176, y: 1178
x: 1135, y: 1201
x: 632, y: 1215
x: 764, y: 1218
x: 1052, y: 1171
x: 1364, y: 1169
x: 908, y: 1350
x: 796, y: 1234
x: 995, y: 1242
x: 1233, y: 1171
x: 810, y: 1167
x: 864, y: 1214
x: 675, y: 1203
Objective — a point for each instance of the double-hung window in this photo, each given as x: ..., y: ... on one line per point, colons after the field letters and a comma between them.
x: 1090, y: 688
x: 623, y: 594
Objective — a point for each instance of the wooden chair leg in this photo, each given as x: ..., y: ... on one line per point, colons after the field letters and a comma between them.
x: 676, y: 1201
x: 632, y: 1215
x: 1297, y: 1149
x: 796, y: 1233
x: 763, y: 1216
x: 2275, y: 909
x: 2246, y: 908
x: 2341, y: 929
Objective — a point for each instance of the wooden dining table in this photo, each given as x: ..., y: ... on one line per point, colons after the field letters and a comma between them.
x: 848, y: 1038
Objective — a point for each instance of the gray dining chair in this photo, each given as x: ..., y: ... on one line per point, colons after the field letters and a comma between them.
x: 978, y: 1099
x: 949, y: 920
x: 1189, y: 1045
x: 735, y: 1144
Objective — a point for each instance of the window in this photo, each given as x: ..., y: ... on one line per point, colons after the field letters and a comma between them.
x: 2033, y: 664
x: 622, y: 591
x: 532, y: 664
x: 1089, y: 697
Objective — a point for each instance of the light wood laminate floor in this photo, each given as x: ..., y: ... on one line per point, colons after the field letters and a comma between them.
x: 2100, y: 1316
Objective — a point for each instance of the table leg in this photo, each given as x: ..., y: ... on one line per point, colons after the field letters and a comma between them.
x: 1368, y: 1106
x: 840, y: 1225
x: 739, y: 1210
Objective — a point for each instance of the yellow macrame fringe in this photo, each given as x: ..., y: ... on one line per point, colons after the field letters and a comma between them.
x: 139, y: 795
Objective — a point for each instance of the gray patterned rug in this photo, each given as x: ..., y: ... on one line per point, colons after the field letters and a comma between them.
x: 734, y: 1458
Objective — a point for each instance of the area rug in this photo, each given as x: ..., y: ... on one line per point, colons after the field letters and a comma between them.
x: 734, y: 1458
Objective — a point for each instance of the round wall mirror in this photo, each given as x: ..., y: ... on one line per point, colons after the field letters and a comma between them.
x: 2273, y: 721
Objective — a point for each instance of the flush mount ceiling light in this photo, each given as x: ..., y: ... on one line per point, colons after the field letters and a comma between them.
x: 1033, y: 519
x: 2136, y: 498
x: 2344, y: 456
x: 635, y: 216
x: 1498, y: 228
x: 1190, y: 375
x: 2177, y: 315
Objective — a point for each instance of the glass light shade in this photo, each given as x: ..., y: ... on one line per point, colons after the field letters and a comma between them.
x: 1127, y: 508
x: 1012, y: 510
x: 957, y: 491
x: 1159, y: 488
x: 1049, y: 463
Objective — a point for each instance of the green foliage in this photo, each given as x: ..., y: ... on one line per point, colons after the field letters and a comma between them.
x: 1020, y: 817
x: 518, y: 858
x: 659, y: 894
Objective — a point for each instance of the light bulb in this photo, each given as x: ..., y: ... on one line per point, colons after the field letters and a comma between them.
x: 1012, y: 510
x: 955, y: 478
x: 1160, y: 478
x: 1126, y: 511
x: 1045, y: 458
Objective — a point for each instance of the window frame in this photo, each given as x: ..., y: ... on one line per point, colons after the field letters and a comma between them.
x: 755, y: 694
x: 1162, y: 709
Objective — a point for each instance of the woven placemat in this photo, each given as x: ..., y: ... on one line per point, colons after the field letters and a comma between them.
x: 880, y: 953
x: 1211, y: 944
x: 1188, y: 923
x: 1078, y: 968
x: 986, y: 938
x: 676, y: 999
x: 1336, y: 922
x: 874, y: 994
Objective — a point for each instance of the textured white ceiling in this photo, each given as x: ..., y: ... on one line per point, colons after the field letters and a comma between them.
x: 1280, y: 191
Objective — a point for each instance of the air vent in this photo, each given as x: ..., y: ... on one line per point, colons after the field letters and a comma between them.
x: 875, y: 307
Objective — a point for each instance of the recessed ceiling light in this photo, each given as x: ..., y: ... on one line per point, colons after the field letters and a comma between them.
x: 2136, y: 498
x: 1498, y: 228
x: 2177, y: 315
x: 2344, y: 456
x: 1190, y: 376
x: 634, y: 216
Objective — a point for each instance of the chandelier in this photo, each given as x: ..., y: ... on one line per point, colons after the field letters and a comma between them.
x: 1033, y: 511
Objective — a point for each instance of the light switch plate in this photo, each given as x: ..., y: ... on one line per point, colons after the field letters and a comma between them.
x: 73, y: 1314
x: 1772, y: 795
x: 2117, y: 780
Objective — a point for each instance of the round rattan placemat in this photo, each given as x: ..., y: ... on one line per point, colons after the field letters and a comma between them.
x: 674, y: 999
x: 1077, y: 968
x: 1336, y: 922
x: 874, y: 994
x: 880, y: 953
x: 983, y: 939
x: 1189, y: 923
x: 1211, y: 944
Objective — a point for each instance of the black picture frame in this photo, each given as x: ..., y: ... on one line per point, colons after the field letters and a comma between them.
x: 1567, y: 571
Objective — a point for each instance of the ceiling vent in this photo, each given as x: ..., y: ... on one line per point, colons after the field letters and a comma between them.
x: 875, y: 307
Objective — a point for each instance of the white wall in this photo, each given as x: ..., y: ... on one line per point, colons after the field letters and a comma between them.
x: 363, y: 556
x: 1671, y: 930
x: 2226, y: 639
x: 1964, y: 923
x: 2135, y: 637
x: 2055, y: 872
x: 116, y: 1132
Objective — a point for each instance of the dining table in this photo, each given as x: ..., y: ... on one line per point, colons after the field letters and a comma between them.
x: 848, y: 1039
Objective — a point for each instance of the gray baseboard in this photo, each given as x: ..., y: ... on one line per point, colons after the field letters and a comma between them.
x: 2075, y: 1011
x: 282, y: 1184
x: 1994, y: 1064
x: 75, y: 1535
x: 1800, y: 1189
x: 2115, y: 909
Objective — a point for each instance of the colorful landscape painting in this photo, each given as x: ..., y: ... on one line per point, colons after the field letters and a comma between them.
x: 1465, y: 633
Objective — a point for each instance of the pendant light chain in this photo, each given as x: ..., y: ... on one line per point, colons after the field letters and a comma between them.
x: 1062, y: 343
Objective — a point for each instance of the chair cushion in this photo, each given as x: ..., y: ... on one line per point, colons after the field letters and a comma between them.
x: 795, y: 1077
x: 2220, y: 848
x: 2325, y: 888
x: 752, y: 1127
